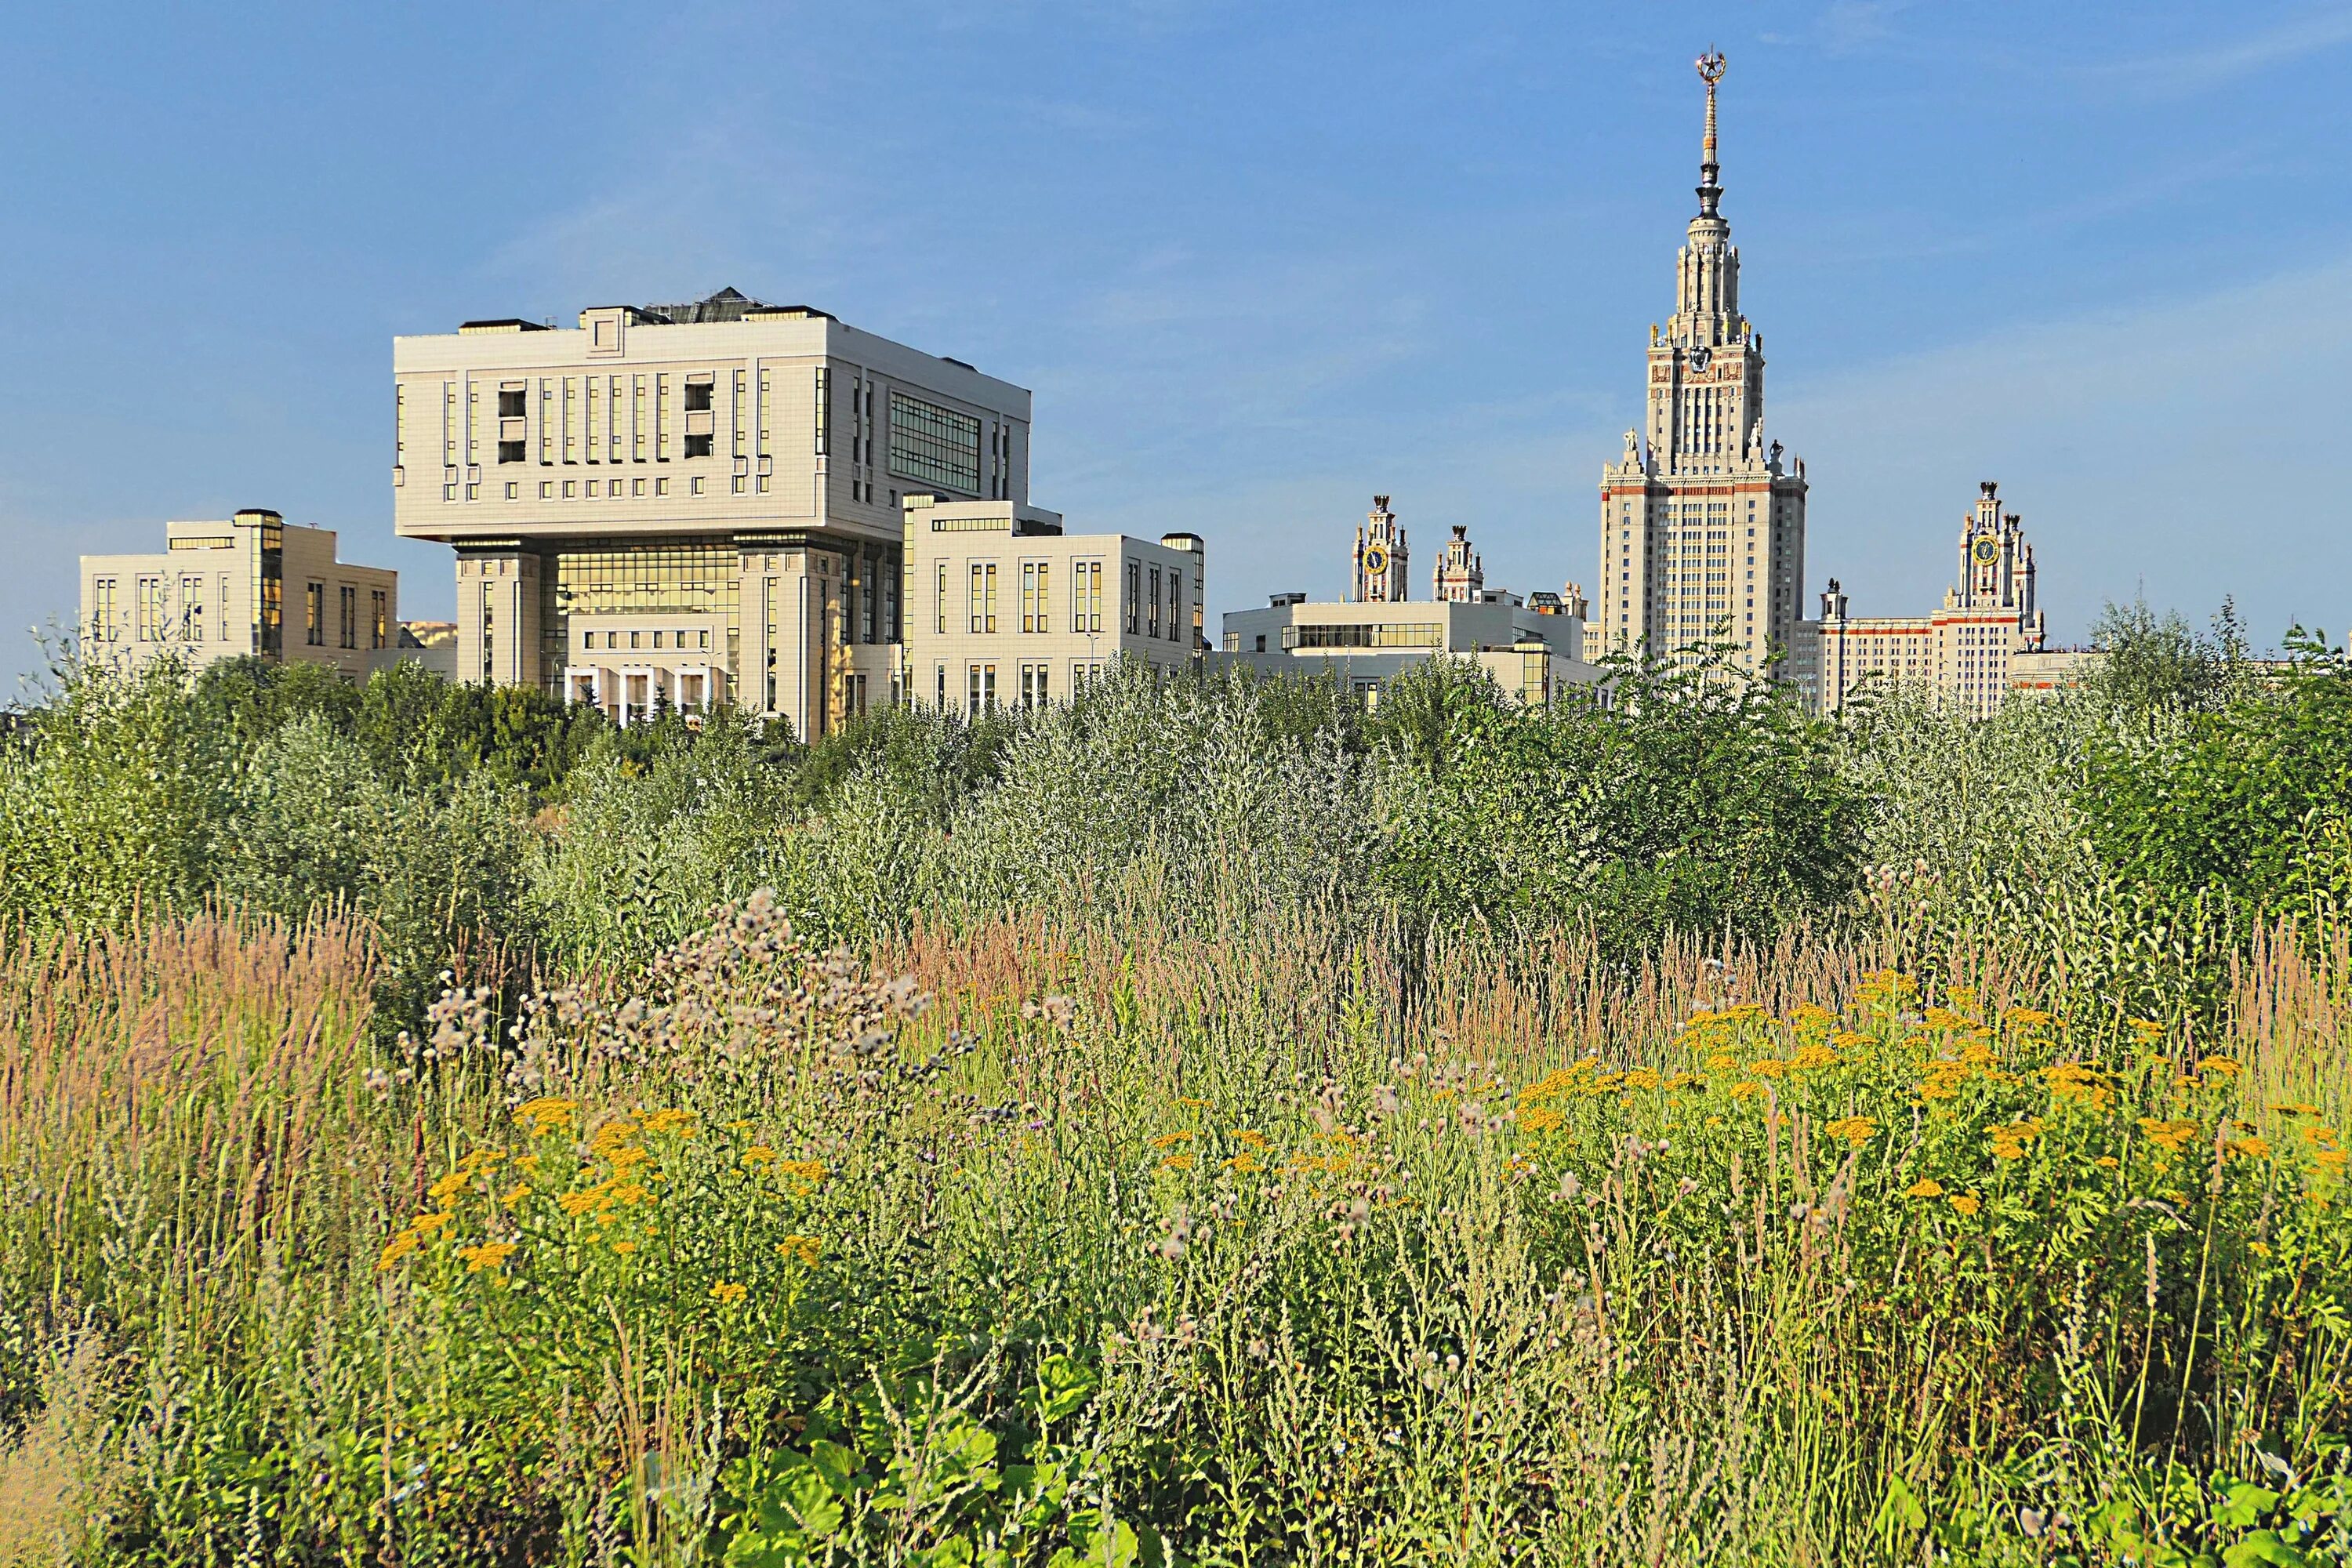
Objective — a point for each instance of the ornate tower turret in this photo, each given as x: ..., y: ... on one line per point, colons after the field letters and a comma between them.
x: 1379, y: 576
x: 1460, y: 576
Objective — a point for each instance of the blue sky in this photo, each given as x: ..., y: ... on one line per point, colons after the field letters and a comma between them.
x: 1256, y: 262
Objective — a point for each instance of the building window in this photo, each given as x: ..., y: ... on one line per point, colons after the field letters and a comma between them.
x: 933, y: 445
x: 939, y: 603
x: 695, y: 484
x: 191, y: 609
x: 1086, y: 598
x: 347, y: 615
x: 1033, y: 596
x: 1154, y: 603
x: 1032, y: 686
x: 102, y: 617
x: 314, y: 612
x: 698, y: 396
x: 1134, y: 597
x: 1175, y: 606
x: 983, y: 596
x: 981, y: 679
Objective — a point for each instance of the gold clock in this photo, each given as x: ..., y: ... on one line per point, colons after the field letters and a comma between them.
x: 1985, y: 550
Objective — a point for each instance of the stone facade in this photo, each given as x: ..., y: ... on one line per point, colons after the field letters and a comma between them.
x: 687, y: 504
x: 249, y: 584
x: 1006, y: 609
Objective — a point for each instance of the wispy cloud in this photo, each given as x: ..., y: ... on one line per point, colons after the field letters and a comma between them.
x: 2181, y: 443
x: 2183, y: 72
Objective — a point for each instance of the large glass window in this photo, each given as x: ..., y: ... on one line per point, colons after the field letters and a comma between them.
x: 1376, y: 634
x: 983, y: 596
x: 1033, y: 596
x: 934, y: 445
x: 677, y: 576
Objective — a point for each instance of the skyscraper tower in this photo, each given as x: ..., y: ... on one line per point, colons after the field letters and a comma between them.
x: 1702, y: 524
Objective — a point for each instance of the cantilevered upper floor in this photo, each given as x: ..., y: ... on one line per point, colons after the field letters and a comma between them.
x: 724, y: 416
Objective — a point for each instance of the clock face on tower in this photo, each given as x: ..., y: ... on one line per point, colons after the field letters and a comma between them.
x: 1376, y: 560
x: 1985, y: 550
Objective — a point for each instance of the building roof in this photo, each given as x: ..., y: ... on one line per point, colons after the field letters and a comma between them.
x: 728, y: 305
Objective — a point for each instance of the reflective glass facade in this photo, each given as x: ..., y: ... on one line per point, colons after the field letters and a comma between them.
x: 698, y: 576
x: 934, y: 446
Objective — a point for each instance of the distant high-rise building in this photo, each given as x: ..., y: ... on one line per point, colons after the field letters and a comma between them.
x: 1380, y: 571
x: 1703, y: 521
x: 1969, y: 650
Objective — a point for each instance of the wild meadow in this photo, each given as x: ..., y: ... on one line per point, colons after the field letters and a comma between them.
x: 1213, y: 1122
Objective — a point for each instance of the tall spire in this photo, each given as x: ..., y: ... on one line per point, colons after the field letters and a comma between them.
x: 1710, y: 191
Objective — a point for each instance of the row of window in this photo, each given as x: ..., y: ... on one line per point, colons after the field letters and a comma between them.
x: 162, y: 617
x: 701, y: 640
x: 636, y: 419
x: 1150, y: 591
x: 1034, y: 691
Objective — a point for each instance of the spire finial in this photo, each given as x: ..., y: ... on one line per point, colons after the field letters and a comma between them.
x: 1711, y: 71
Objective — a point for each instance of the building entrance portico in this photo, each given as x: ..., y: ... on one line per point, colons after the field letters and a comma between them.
x: 632, y: 667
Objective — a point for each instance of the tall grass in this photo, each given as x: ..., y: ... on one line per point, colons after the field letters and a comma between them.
x: 1241, y: 1237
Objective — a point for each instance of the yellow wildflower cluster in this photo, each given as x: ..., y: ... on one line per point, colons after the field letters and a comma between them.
x: 1856, y: 1129
x: 473, y: 1169
x: 485, y: 1255
x: 806, y: 1175
x: 2083, y: 1085
x: 1169, y: 1140
x: 678, y: 1121
x: 1176, y: 1163
x: 1812, y: 1056
x: 804, y: 1248
x: 726, y: 1293
x: 1946, y: 1019
x: 545, y: 1115
x: 2170, y: 1136
x: 1925, y: 1187
x: 1889, y: 986
x: 2009, y: 1138
x: 2219, y: 1066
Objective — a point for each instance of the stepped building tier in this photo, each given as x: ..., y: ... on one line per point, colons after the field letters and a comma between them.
x: 1703, y: 520
x: 690, y: 504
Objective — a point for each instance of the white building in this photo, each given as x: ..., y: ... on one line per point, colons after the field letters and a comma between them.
x: 1534, y: 656
x: 248, y: 585
x: 1702, y: 522
x: 688, y: 503
x: 1004, y: 607
x: 1534, y: 651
